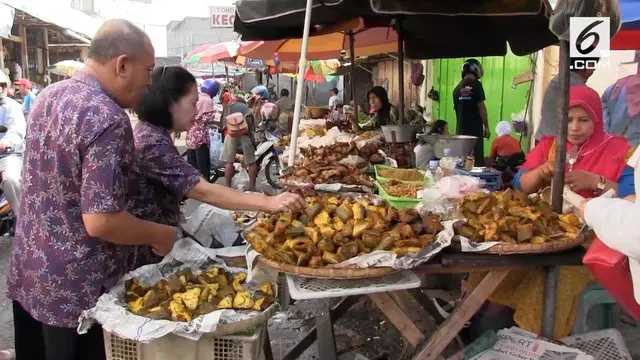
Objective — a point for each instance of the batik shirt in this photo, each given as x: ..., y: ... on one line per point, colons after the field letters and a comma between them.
x: 198, y: 135
x: 163, y: 179
x: 78, y: 160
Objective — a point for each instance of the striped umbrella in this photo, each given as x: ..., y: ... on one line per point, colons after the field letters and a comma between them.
x: 317, y: 70
x: 210, y: 53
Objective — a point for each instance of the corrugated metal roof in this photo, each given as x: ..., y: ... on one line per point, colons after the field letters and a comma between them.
x: 60, y: 15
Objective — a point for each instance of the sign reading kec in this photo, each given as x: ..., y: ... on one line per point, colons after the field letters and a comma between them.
x: 222, y: 16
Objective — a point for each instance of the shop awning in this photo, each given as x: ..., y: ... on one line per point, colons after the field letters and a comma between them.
x: 64, y: 16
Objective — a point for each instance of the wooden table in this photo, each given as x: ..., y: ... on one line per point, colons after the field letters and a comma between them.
x: 398, y: 313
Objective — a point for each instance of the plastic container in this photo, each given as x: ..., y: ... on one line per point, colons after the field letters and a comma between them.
x: 173, y: 347
x: 382, y: 178
x: 397, y: 202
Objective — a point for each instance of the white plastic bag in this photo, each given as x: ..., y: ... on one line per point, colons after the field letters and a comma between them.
x: 209, y: 222
x: 457, y: 186
x: 215, y: 146
x: 241, y: 180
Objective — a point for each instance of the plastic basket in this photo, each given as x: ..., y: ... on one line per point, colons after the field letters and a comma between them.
x: 376, y: 168
x: 602, y: 345
x: 397, y: 202
x: 173, y: 347
x: 491, y: 180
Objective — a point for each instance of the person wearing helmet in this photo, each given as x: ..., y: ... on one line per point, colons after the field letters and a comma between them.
x: 198, y: 134
x: 471, y: 111
x: 11, y: 144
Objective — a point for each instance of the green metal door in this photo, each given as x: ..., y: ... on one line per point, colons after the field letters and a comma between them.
x: 502, y: 99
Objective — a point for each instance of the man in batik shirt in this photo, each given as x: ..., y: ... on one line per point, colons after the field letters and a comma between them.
x: 75, y: 238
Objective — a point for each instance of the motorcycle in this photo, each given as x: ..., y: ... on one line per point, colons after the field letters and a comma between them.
x: 267, y: 156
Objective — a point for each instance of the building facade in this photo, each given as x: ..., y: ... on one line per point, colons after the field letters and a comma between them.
x: 186, y: 35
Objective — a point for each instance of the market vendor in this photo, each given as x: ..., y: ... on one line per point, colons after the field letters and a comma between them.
x: 163, y: 178
x: 198, y: 134
x: 424, y: 151
x: 599, y: 164
x: 383, y: 113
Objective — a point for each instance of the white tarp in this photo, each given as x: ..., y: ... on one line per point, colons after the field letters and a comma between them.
x: 6, y: 20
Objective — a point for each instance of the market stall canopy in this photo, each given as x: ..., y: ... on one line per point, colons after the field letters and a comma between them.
x: 317, y: 70
x: 210, y: 53
x: 428, y: 28
x: 367, y: 41
x: 65, y: 67
x: 628, y: 37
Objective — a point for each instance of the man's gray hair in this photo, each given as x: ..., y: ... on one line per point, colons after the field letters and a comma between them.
x: 116, y: 38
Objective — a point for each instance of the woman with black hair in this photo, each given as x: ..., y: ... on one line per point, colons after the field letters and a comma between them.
x: 383, y: 113
x: 163, y: 177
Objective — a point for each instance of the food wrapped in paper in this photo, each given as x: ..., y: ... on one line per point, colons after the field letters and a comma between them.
x: 194, y: 310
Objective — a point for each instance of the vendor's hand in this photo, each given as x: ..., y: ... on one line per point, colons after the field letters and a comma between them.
x: 3, y: 147
x: 284, y: 202
x: 546, y: 170
x: 486, y: 133
x: 581, y: 180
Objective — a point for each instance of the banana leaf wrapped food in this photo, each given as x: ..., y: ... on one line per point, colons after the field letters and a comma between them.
x: 185, y: 296
x: 333, y: 229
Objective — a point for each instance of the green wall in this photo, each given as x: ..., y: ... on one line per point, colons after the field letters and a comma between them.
x: 502, y: 99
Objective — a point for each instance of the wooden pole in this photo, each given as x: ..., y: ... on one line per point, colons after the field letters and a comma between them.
x: 24, y: 57
x: 400, y: 71
x: 557, y: 185
x: 352, y: 55
x: 45, y: 37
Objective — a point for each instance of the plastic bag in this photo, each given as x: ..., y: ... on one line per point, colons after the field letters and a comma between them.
x: 215, y: 146
x: 566, y: 9
x: 209, y: 222
x: 241, y: 180
x: 457, y: 186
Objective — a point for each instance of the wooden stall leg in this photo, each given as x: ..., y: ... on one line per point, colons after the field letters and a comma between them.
x: 549, y: 304
x: 309, y: 338
x: 398, y: 318
x: 326, y: 341
x: 465, y: 310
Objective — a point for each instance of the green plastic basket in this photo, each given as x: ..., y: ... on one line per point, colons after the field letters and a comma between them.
x: 382, y: 178
x: 397, y: 202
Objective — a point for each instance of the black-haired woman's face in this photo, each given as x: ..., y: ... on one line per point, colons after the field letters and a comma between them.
x: 375, y: 102
x: 183, y: 112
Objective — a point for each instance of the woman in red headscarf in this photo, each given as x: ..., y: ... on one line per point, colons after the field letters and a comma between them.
x: 596, y: 162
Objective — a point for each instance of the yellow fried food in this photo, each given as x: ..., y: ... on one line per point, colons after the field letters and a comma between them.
x: 260, y: 304
x: 136, y: 305
x: 179, y: 311
x: 226, y: 302
x: 242, y: 300
x: 190, y: 298
x: 266, y: 288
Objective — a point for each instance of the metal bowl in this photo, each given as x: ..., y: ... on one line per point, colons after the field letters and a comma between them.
x: 403, y: 133
x: 460, y: 145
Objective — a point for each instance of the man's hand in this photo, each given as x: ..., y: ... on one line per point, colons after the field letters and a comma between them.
x: 486, y: 132
x: 284, y: 202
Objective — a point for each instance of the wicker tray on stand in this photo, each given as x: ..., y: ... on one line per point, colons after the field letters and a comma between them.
x: 327, y: 272
x: 554, y: 246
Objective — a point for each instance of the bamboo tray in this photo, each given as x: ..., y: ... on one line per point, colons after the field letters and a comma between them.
x: 514, y: 249
x: 328, y: 272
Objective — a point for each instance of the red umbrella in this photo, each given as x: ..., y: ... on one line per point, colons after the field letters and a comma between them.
x: 207, y: 54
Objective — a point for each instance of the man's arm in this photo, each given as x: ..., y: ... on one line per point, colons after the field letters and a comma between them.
x: 16, y: 128
x: 482, y: 107
x: 104, y: 190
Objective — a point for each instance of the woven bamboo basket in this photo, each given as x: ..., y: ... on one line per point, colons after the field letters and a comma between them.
x: 554, y: 246
x: 327, y: 272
